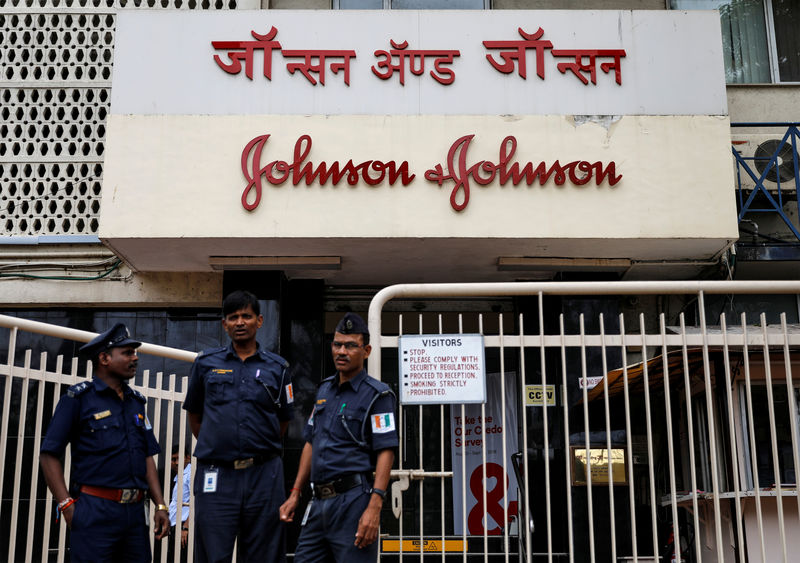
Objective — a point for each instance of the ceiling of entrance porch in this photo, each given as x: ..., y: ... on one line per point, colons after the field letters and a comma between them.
x: 375, y: 261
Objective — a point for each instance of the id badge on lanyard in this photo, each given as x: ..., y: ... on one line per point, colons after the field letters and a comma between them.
x: 210, y: 480
x: 308, y: 510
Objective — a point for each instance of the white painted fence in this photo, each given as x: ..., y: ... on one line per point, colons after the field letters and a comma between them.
x: 700, y: 425
x: 28, y: 522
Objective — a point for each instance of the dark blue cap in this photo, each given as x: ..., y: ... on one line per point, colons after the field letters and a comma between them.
x: 115, y: 337
x: 352, y: 324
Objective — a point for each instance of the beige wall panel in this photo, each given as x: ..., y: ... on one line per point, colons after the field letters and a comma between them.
x: 180, y: 177
x: 773, y: 544
x: 163, y: 289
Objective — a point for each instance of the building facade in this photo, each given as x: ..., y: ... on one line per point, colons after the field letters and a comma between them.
x: 156, y: 155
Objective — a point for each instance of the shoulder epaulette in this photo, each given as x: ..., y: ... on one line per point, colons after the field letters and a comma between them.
x: 137, y: 395
x: 379, y: 386
x: 79, y: 389
x: 273, y: 356
x: 211, y: 351
x: 327, y: 379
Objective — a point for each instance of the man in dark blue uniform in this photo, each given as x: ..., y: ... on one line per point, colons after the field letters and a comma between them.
x: 351, y: 433
x: 112, y: 443
x: 239, y: 404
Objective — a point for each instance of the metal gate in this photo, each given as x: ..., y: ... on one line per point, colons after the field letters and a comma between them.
x: 27, y: 512
x: 648, y: 434
x: 657, y: 430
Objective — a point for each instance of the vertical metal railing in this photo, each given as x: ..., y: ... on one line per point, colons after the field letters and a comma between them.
x: 720, y: 384
x: 613, y: 521
x: 682, y: 406
x: 31, y: 521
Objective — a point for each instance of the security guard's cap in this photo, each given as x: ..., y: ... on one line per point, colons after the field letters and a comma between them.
x: 352, y: 324
x: 115, y: 337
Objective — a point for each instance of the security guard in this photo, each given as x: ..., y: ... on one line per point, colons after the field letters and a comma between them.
x: 239, y: 402
x: 113, y: 446
x: 351, y: 433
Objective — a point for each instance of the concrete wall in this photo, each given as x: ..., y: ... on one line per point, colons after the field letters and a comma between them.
x: 296, y: 4
x: 498, y: 5
x: 163, y: 289
x: 579, y: 5
x: 764, y: 102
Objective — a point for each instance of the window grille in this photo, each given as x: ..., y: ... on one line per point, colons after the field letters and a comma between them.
x: 56, y: 59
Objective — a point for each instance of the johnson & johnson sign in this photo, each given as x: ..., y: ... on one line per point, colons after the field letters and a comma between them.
x: 374, y: 172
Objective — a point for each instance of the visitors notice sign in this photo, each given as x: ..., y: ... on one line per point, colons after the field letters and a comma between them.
x: 442, y: 369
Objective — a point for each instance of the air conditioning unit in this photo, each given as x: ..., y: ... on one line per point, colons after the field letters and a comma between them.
x: 757, y: 152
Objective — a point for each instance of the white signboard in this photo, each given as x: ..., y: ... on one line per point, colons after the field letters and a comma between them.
x: 400, y: 62
x: 442, y: 368
x: 589, y: 382
x: 472, y: 433
x: 499, y: 133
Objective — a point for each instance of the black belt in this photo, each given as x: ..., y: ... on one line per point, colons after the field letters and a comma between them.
x: 337, y: 486
x: 243, y: 463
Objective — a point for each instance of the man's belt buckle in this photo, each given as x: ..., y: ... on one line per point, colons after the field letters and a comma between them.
x: 325, y: 490
x: 243, y: 463
x: 128, y: 495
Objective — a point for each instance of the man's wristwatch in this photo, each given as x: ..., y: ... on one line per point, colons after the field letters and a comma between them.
x: 162, y: 507
x: 380, y: 492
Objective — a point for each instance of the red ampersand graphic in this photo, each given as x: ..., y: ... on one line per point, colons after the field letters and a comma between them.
x: 494, y: 499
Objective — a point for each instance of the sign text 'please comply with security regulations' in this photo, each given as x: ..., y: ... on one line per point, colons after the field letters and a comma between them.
x: 442, y: 368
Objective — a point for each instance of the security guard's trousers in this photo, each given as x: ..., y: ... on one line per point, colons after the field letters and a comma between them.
x: 103, y: 531
x: 246, y: 504
x: 329, y: 531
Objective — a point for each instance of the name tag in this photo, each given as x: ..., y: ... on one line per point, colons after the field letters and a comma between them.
x: 210, y: 481
x: 305, y: 516
x: 101, y: 415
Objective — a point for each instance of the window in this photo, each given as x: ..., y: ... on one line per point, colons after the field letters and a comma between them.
x: 411, y: 4
x: 762, y: 434
x: 760, y: 38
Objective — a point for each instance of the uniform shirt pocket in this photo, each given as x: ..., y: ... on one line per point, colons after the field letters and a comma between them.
x: 349, y: 424
x: 105, y: 433
x: 219, y: 387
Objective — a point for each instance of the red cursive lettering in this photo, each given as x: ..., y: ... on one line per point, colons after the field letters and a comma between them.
x: 578, y: 172
x: 276, y: 172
